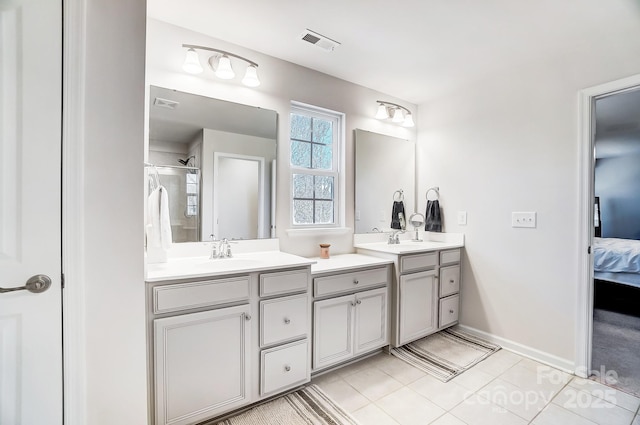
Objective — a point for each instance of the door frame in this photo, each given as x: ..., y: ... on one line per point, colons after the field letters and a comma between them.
x: 586, y: 149
x: 73, y: 257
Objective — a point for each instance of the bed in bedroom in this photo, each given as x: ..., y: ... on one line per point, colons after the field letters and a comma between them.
x: 617, y: 260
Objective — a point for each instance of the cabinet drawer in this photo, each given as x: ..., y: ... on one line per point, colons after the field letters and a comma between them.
x: 283, y: 282
x: 449, y: 257
x: 284, y: 366
x: 449, y: 308
x: 449, y: 280
x: 283, y: 319
x: 346, y: 282
x: 410, y: 263
x: 183, y: 296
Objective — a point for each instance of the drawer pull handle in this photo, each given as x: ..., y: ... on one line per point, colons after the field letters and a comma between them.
x: 359, y: 302
x: 450, y: 311
x: 287, y: 320
x: 287, y: 368
x: 355, y: 281
x: 247, y: 317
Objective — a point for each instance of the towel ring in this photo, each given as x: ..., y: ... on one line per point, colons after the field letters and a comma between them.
x: 436, y: 189
x: 400, y: 194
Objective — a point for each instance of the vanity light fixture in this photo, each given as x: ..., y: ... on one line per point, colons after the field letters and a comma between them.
x: 398, y: 114
x: 220, y: 63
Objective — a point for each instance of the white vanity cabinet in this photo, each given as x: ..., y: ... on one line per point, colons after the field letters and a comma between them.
x: 350, y: 314
x: 425, y: 295
x: 219, y: 343
x: 201, y: 360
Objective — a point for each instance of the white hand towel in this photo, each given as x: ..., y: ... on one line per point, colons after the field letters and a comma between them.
x: 158, y: 219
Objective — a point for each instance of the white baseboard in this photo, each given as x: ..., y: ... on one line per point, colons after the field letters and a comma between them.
x: 533, y: 353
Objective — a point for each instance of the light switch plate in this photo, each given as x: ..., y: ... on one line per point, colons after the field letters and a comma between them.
x: 462, y: 218
x: 523, y: 219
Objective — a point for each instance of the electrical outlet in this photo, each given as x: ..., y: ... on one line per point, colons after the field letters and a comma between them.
x: 523, y: 219
x: 462, y: 218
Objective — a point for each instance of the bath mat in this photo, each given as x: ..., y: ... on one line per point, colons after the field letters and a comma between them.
x: 307, y: 406
x: 445, y: 354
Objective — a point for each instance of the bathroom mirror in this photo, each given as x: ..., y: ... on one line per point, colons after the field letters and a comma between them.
x: 384, y: 165
x: 232, y: 147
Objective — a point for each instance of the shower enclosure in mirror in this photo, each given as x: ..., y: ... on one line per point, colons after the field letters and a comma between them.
x: 231, y: 148
x: 384, y: 165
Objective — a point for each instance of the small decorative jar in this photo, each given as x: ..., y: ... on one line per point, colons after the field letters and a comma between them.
x: 324, y: 250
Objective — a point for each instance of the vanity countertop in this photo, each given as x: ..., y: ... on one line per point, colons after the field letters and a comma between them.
x: 194, y: 267
x: 432, y: 242
x: 345, y: 262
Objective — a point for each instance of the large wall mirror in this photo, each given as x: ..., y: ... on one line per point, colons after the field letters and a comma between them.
x: 384, y: 166
x: 217, y: 160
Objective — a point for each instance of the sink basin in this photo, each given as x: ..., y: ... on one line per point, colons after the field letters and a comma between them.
x: 226, y: 263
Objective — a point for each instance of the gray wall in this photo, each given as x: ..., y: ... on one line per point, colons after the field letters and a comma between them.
x: 617, y: 183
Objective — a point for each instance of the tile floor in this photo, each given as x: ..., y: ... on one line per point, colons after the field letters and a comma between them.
x: 503, y: 389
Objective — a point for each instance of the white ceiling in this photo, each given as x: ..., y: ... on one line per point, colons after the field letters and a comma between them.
x: 412, y: 49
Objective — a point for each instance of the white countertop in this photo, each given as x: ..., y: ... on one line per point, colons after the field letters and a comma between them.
x: 194, y: 267
x: 345, y: 262
x: 431, y: 242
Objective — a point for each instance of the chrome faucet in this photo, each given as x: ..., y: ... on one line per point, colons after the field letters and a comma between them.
x: 394, y: 237
x: 220, y: 250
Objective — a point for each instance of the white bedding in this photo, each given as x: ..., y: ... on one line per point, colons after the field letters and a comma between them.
x: 616, y: 255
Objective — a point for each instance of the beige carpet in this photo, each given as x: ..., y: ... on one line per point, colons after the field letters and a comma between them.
x: 445, y: 354
x: 307, y: 406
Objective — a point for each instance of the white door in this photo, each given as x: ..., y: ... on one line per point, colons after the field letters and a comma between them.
x: 371, y: 320
x: 30, y: 193
x: 213, y: 375
x: 418, y: 305
x: 332, y: 330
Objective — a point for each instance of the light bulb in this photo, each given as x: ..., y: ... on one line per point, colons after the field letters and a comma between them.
x: 192, y: 62
x: 251, y: 77
x: 408, y: 121
x: 397, y: 115
x: 224, y: 69
x: 382, y: 113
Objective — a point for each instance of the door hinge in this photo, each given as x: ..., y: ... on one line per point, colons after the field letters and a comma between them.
x: 62, y: 280
x: 589, y: 250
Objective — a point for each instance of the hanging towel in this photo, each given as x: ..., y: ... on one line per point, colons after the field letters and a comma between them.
x: 398, y: 208
x: 158, y: 219
x: 433, y: 221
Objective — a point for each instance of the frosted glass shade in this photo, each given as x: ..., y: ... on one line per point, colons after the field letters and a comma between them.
x: 224, y: 69
x: 251, y: 77
x: 408, y: 121
x: 382, y: 113
x: 192, y: 63
x: 397, y: 116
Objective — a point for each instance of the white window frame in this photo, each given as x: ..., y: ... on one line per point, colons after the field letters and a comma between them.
x: 338, y: 152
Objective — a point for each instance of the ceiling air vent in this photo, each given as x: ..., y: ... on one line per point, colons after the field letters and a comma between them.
x: 319, y: 40
x: 165, y: 103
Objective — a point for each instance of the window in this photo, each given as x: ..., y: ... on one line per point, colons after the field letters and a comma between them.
x: 315, y: 142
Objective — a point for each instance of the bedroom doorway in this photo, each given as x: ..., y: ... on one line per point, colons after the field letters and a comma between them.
x: 611, y: 285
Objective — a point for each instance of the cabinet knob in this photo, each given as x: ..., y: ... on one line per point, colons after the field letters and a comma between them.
x: 287, y: 368
x: 452, y: 281
x: 450, y: 311
x: 287, y: 320
x: 352, y: 303
x: 355, y: 281
x: 359, y: 302
x: 247, y: 317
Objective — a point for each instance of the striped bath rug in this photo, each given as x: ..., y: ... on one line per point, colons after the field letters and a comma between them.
x: 307, y: 406
x: 445, y: 354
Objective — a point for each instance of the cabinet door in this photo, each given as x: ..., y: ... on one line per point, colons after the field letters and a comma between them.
x: 201, y: 364
x: 332, y: 330
x: 418, y: 305
x: 371, y: 320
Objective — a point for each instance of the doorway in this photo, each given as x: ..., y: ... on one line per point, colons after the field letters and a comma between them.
x: 599, y: 319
